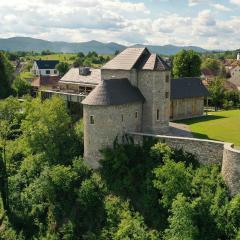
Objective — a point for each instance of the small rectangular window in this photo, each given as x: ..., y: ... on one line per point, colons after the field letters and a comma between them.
x: 55, y: 71
x: 136, y: 114
x: 166, y: 94
x: 158, y: 117
x: 47, y: 71
x: 122, y: 117
x: 167, y: 78
x: 91, y: 119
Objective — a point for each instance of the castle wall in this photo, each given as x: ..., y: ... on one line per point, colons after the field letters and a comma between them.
x: 156, y: 90
x: 131, y: 75
x: 207, y: 152
x: 186, y: 108
x: 231, y: 168
x: 109, y: 122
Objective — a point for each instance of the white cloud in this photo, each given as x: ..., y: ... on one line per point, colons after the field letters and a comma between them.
x: 220, y: 7
x: 117, y: 20
x: 235, y: 2
x: 195, y: 2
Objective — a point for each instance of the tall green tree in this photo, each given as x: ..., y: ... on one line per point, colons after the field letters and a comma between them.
x: 6, y: 76
x: 186, y: 64
x: 216, y: 90
x: 47, y: 130
x: 181, y: 223
x: 21, y: 86
x: 62, y: 67
x: 212, y: 65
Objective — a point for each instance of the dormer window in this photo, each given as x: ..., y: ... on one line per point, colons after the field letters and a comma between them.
x: 91, y: 119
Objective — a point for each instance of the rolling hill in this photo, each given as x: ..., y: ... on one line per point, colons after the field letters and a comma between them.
x: 33, y: 44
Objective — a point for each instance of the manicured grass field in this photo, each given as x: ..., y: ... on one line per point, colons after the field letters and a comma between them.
x: 221, y: 126
x: 62, y: 57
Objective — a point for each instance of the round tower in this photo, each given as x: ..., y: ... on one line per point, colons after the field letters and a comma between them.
x: 111, y: 110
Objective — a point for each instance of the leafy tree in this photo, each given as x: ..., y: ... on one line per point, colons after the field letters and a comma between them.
x: 216, y: 90
x: 172, y: 178
x: 78, y: 62
x: 233, y: 217
x: 186, y: 64
x: 181, y: 223
x: 211, y: 64
x: 21, y: 86
x: 6, y: 76
x: 62, y: 67
x: 47, y: 130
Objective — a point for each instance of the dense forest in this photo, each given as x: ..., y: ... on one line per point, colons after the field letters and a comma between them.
x: 141, y: 192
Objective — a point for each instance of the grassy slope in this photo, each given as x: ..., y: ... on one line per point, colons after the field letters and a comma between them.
x: 222, y: 126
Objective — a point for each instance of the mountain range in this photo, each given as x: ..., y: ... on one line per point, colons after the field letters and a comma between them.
x: 33, y: 44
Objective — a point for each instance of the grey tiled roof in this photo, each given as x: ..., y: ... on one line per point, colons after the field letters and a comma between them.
x: 114, y: 92
x: 155, y: 62
x: 137, y: 58
x: 73, y: 76
x: 188, y: 88
x: 125, y: 60
x: 47, y: 64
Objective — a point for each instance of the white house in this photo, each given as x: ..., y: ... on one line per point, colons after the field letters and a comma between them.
x: 45, y: 68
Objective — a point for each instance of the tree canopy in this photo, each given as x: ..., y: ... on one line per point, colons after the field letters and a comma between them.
x: 186, y: 64
x: 6, y: 76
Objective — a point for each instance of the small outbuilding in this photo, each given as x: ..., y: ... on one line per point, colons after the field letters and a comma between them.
x: 187, y: 98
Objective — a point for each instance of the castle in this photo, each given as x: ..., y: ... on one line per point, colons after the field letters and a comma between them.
x: 134, y: 96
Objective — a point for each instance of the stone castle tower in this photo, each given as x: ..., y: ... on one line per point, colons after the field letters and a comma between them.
x: 133, y: 96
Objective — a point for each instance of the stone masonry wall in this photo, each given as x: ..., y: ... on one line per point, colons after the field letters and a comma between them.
x: 156, y: 91
x: 109, y: 122
x: 131, y: 75
x: 231, y: 168
x: 207, y: 152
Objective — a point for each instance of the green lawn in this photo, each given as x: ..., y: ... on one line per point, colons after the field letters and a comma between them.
x: 221, y: 126
x: 26, y: 75
x: 62, y: 57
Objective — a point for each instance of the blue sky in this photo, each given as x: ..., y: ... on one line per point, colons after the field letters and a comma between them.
x: 206, y: 23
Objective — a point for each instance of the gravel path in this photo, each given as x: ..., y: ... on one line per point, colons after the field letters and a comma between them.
x: 179, y: 129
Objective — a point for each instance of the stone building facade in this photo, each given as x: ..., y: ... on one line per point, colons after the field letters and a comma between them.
x: 135, y: 92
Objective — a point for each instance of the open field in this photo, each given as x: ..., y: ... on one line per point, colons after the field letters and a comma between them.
x: 221, y: 126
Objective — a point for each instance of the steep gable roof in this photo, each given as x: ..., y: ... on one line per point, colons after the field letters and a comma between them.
x: 155, y: 62
x: 47, y: 64
x: 126, y: 59
x: 114, y: 92
x: 137, y: 58
x: 188, y: 88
